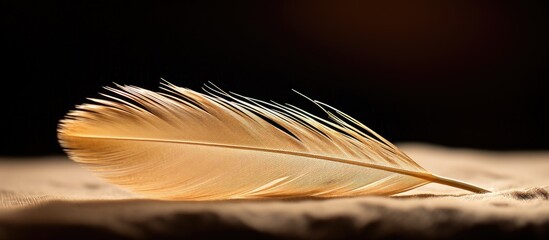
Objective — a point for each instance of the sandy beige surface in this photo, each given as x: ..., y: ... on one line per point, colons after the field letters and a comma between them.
x: 55, y: 198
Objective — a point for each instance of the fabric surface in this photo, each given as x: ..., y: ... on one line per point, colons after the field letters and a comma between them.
x: 55, y: 198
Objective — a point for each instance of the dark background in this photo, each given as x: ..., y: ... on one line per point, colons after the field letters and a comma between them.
x: 455, y: 73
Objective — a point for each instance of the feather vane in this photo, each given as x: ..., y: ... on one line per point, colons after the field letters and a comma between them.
x: 184, y: 145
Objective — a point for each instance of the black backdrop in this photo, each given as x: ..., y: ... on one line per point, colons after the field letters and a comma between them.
x: 456, y: 73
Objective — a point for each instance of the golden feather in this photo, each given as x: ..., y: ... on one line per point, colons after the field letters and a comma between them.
x: 185, y: 145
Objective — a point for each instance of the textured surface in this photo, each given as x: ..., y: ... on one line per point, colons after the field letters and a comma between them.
x: 54, y: 197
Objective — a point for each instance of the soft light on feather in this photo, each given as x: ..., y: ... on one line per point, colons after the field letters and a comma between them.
x: 185, y: 145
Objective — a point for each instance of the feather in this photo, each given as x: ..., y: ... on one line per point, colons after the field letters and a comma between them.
x: 184, y: 145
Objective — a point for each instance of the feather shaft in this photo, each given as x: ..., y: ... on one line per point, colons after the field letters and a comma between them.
x: 426, y: 176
